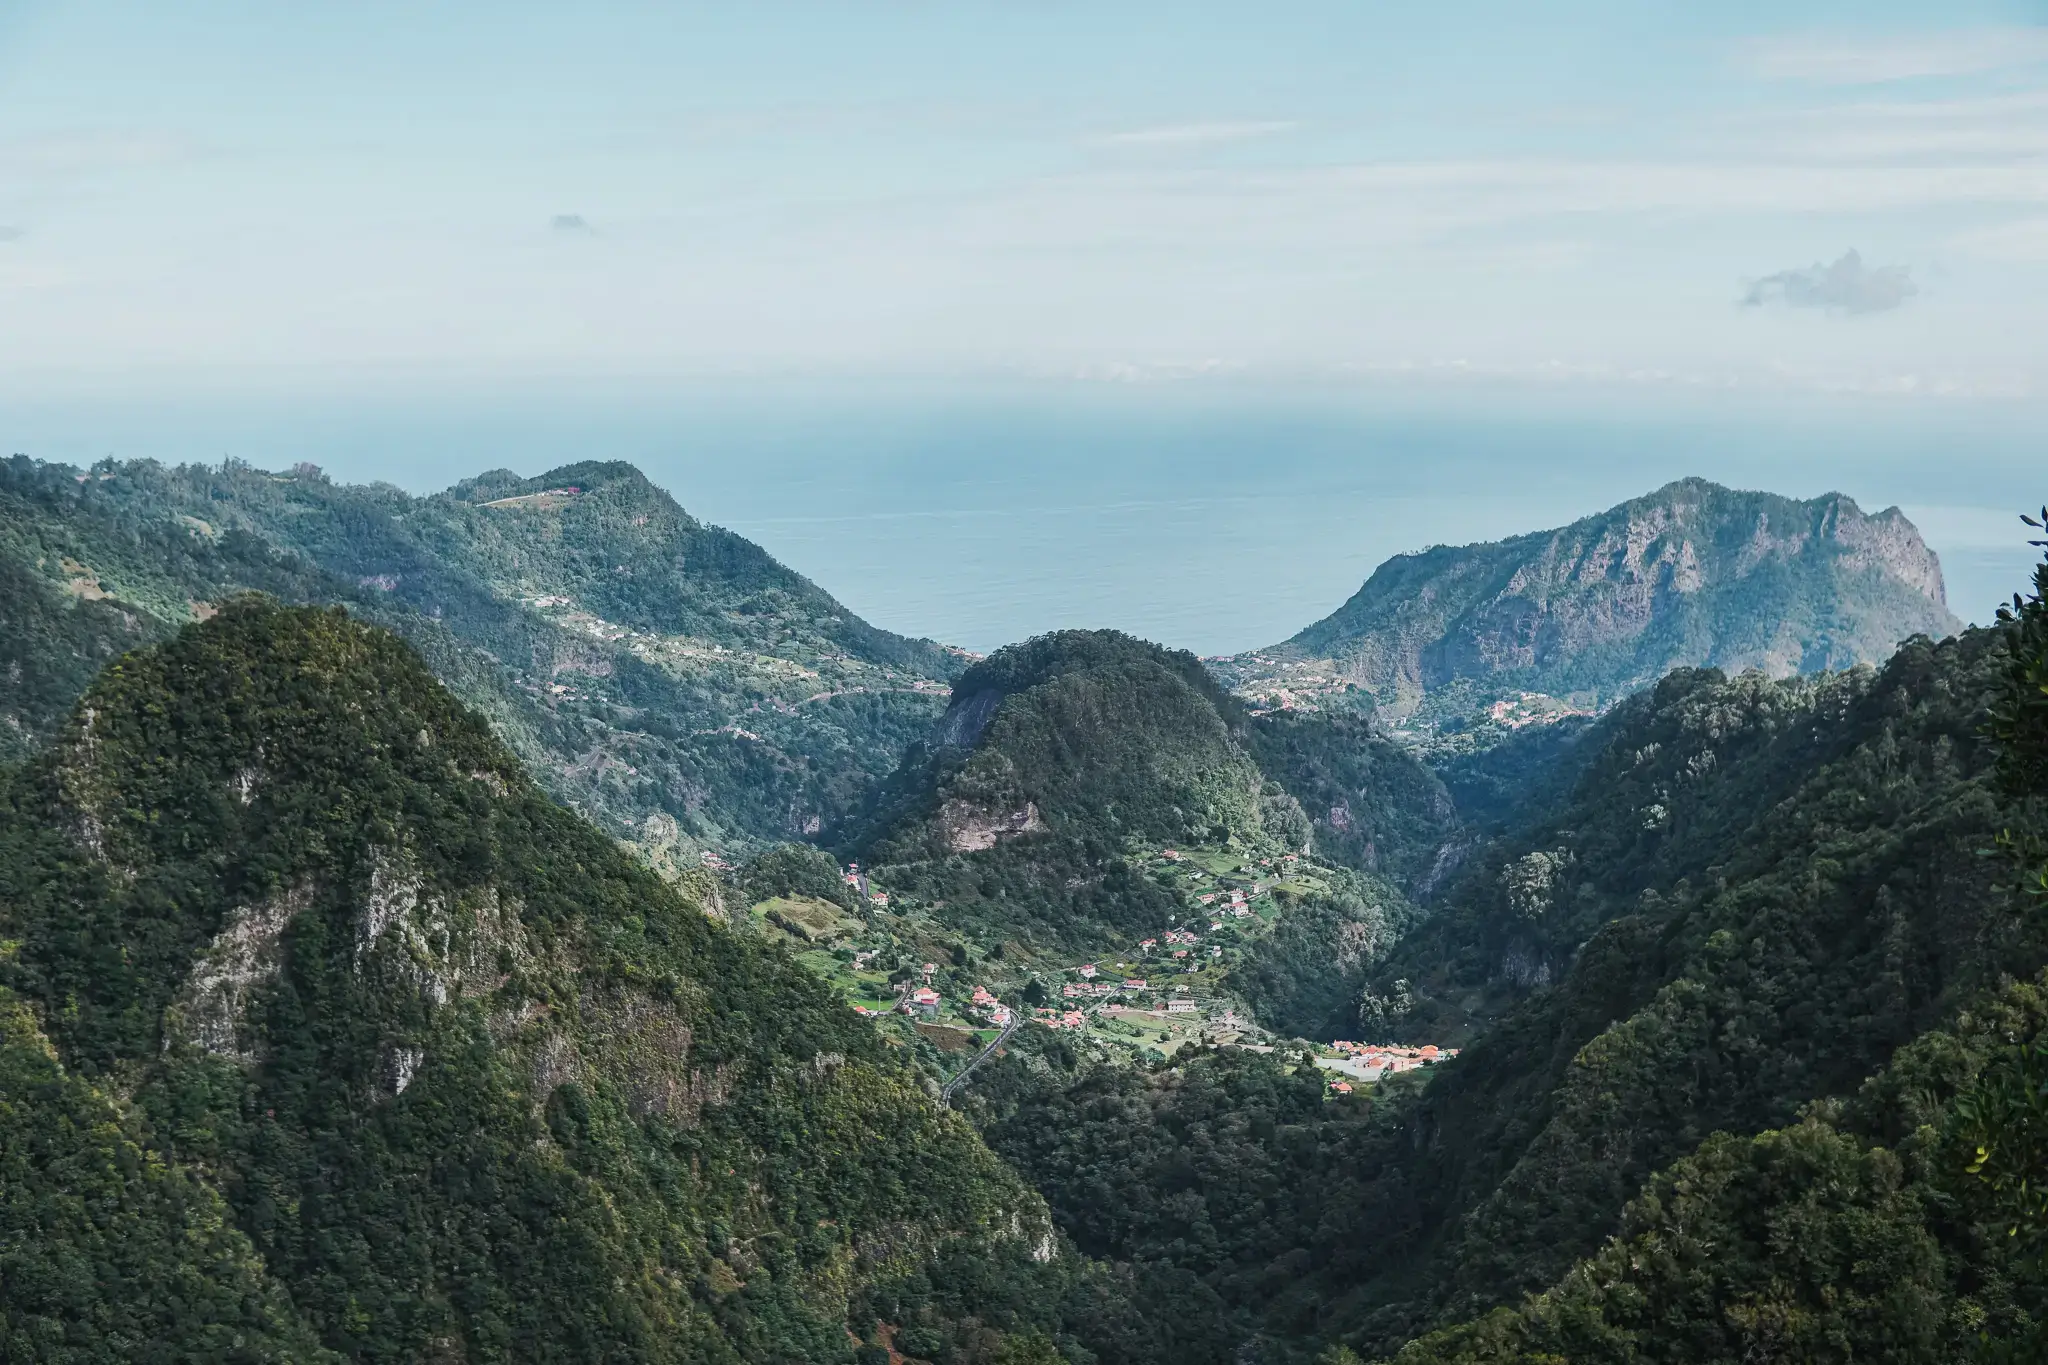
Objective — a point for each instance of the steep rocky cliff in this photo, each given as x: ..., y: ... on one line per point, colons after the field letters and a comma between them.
x: 1693, y: 574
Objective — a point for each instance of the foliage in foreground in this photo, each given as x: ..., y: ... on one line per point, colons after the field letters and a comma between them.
x: 351, y: 1040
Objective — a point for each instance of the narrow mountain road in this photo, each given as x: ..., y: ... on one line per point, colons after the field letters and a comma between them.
x: 946, y: 1094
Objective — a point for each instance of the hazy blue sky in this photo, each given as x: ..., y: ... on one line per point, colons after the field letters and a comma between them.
x: 265, y: 196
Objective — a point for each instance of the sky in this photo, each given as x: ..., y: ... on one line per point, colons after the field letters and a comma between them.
x: 998, y: 317
x: 248, y: 198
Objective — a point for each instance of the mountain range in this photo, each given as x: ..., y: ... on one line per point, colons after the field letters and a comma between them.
x: 668, y: 679
x: 371, y: 986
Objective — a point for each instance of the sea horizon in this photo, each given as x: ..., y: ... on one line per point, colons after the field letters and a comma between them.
x: 1208, y: 517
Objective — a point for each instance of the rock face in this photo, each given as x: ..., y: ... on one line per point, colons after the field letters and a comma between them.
x: 1692, y: 574
x: 969, y: 830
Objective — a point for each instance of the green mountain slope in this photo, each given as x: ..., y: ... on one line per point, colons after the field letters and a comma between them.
x: 1691, y: 575
x: 667, y: 678
x: 370, y: 1045
x: 1754, y: 896
x: 1725, y: 948
x: 1372, y: 803
x: 109, y: 1253
x: 1856, y: 1233
x: 1054, y: 760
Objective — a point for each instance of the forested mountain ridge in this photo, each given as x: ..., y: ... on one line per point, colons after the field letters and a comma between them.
x: 368, y: 1048
x: 667, y: 678
x: 1762, y: 888
x: 1904, y: 1223
x: 1692, y: 574
x: 1739, y: 964
x: 1764, y: 908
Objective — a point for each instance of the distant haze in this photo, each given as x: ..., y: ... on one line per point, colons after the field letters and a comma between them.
x: 1214, y: 522
x: 1324, y: 187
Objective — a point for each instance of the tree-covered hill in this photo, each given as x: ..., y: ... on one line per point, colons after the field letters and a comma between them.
x: 666, y: 678
x: 1760, y: 891
x: 321, y: 1030
x: 1053, y: 758
x: 1692, y: 575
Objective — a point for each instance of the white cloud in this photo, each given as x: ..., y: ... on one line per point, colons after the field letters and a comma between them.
x: 1196, y: 134
x: 1835, y: 59
x: 1848, y: 286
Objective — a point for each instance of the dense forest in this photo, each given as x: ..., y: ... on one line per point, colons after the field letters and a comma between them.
x: 1053, y: 758
x: 1755, y: 1063
x: 348, y: 1037
x: 325, y: 1033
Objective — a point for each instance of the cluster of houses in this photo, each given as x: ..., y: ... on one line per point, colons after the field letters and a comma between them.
x: 990, y: 1008
x: 1057, y: 1018
x: 1391, y: 1060
x: 858, y: 880
x: 1233, y: 903
x: 925, y: 1001
x: 1088, y: 985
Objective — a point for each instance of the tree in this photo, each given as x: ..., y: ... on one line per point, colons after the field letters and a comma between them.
x: 2003, y: 1123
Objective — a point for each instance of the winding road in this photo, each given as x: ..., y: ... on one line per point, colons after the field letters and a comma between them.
x: 946, y: 1094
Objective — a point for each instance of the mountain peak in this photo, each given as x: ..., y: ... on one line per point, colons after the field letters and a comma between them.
x: 1690, y: 574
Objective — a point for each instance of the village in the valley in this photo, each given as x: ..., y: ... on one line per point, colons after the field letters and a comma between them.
x: 1149, y: 1000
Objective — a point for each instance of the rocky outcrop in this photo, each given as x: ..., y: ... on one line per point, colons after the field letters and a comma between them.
x: 1692, y: 574
x: 969, y: 830
x: 966, y: 718
x: 244, y: 957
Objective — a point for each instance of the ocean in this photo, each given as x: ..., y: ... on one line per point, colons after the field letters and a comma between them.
x: 1216, y: 518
